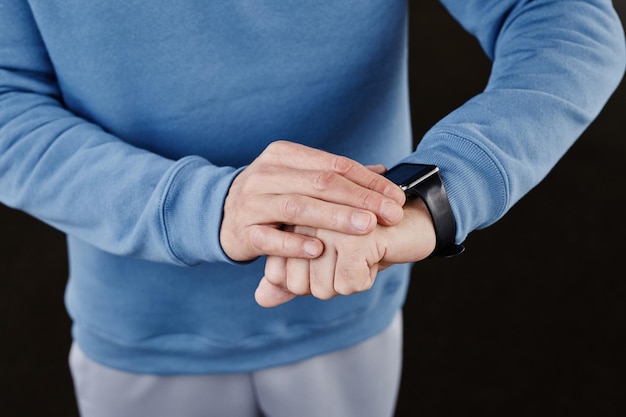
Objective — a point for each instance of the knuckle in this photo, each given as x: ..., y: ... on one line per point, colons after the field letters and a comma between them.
x: 320, y: 288
x: 275, y: 270
x: 375, y: 182
x: 273, y: 146
x: 279, y: 244
x: 322, y: 294
x: 257, y: 238
x: 323, y: 180
x: 292, y: 208
x: 296, y: 287
x: 246, y: 183
x: 278, y: 147
x: 348, y: 281
x: 288, y: 244
x: 272, y: 277
x: 369, y: 199
x: 335, y: 218
x: 341, y: 165
x: 342, y: 288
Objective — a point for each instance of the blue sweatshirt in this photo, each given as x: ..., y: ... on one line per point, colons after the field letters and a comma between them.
x: 123, y: 123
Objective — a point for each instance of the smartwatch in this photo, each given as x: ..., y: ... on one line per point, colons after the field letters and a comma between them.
x: 423, y: 181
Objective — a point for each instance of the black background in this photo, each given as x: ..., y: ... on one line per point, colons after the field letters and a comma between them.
x: 528, y: 322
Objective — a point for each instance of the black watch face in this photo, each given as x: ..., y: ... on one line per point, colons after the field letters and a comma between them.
x: 407, y: 175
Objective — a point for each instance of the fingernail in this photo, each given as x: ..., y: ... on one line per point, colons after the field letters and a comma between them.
x: 311, y: 248
x: 391, y: 211
x: 361, y: 221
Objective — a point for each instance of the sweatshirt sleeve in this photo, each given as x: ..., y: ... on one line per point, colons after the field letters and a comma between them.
x: 76, y: 177
x: 555, y: 64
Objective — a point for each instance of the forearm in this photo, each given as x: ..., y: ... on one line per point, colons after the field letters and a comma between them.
x: 413, y: 239
x: 89, y: 184
x: 555, y: 64
x: 73, y: 175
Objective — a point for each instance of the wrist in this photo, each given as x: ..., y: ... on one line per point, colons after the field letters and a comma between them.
x: 424, y: 181
x: 420, y: 223
x: 414, y: 239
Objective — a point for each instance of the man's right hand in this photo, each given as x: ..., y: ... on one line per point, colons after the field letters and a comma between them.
x: 292, y: 184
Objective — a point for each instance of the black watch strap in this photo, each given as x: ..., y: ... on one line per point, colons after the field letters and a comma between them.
x: 430, y: 189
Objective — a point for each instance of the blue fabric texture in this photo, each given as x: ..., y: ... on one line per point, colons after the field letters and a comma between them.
x: 123, y: 123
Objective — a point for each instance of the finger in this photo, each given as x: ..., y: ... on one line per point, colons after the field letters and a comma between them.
x: 352, y: 276
x: 322, y: 275
x: 334, y: 188
x: 268, y: 240
x: 302, y: 157
x: 294, y: 209
x: 320, y: 185
x: 276, y: 271
x: 268, y: 295
x: 373, y: 180
x: 298, y: 276
x: 299, y: 156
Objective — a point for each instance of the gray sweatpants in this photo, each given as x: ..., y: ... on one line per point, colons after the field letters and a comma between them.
x: 361, y: 381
